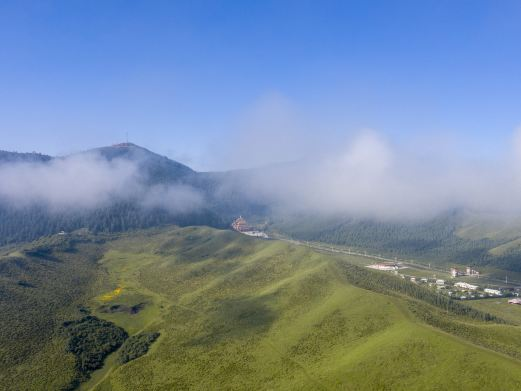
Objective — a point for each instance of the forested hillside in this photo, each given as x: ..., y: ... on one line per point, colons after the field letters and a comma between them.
x: 448, y: 238
x: 30, y: 220
x: 33, y: 157
x: 29, y: 223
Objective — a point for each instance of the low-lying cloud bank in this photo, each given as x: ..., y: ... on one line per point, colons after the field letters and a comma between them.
x: 88, y: 181
x: 370, y: 177
x: 316, y: 168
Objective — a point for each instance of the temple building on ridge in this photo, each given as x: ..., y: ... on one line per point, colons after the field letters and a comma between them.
x: 241, y: 225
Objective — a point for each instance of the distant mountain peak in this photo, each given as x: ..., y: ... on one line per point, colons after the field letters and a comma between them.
x: 125, y: 145
x: 127, y: 150
x: 159, y: 168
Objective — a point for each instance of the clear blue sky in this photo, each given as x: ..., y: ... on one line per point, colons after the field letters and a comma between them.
x: 178, y: 75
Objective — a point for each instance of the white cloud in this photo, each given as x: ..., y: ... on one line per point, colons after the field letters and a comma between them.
x: 175, y: 198
x: 87, y: 181
x: 371, y: 177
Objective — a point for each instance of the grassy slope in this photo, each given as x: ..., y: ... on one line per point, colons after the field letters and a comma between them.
x: 32, y: 348
x: 499, y: 307
x: 239, y: 313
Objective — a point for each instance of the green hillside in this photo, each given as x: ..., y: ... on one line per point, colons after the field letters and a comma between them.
x: 209, y: 309
x: 43, y: 285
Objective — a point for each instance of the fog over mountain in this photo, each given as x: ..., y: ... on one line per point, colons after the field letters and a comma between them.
x: 108, y: 189
x: 89, y: 180
x: 367, y: 177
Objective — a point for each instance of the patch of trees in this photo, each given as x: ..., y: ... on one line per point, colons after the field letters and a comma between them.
x: 136, y: 346
x: 91, y: 340
x: 388, y: 284
x: 25, y: 284
x: 114, y: 308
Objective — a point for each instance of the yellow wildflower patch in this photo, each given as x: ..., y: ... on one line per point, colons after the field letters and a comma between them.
x: 111, y: 295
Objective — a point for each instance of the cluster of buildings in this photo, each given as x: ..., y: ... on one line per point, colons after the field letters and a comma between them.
x: 464, y: 290
x: 460, y: 290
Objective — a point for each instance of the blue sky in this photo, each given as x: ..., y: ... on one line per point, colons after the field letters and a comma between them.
x: 184, y: 77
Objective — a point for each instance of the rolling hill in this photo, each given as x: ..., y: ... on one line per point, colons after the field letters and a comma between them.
x: 234, y: 312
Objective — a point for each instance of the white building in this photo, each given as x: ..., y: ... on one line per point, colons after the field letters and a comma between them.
x: 455, y: 272
x: 471, y: 272
x: 387, y: 266
x: 257, y: 234
x: 465, y: 285
x: 495, y: 292
x: 440, y: 282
